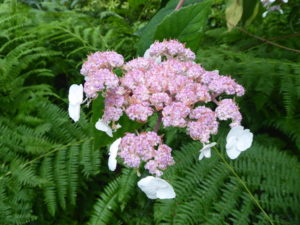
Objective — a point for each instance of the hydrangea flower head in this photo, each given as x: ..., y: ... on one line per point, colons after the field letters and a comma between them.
x: 167, y: 82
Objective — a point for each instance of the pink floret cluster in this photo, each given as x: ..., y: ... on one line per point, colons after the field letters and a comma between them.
x: 168, y: 82
x: 171, y: 49
x: 227, y: 109
x: 114, y: 100
x: 98, y: 72
x: 146, y: 147
x: 203, y: 123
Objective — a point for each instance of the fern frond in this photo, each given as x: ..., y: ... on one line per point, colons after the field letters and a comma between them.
x: 47, y: 157
x: 106, y: 205
x: 114, y: 198
x: 208, y: 193
x: 49, y: 188
x: 87, y: 39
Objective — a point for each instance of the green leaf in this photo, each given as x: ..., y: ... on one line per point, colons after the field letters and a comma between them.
x: 250, y: 11
x: 135, y: 3
x: 234, y: 12
x: 148, y: 32
x: 101, y: 138
x: 186, y: 25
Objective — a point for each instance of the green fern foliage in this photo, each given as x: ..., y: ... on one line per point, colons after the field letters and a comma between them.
x: 114, y: 198
x: 22, y: 59
x: 209, y: 193
x: 107, y: 205
x: 50, y: 167
x: 53, y: 157
x: 79, y: 38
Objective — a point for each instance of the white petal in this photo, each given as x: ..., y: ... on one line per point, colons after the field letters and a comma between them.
x: 206, y: 150
x: 75, y: 94
x: 231, y: 142
x: 100, y: 125
x: 234, y: 132
x: 147, y: 54
x: 208, y: 146
x: 265, y: 14
x: 74, y: 112
x: 157, y: 59
x: 211, y: 144
x: 207, y: 153
x: 146, y: 185
x: 118, y: 126
x: 245, y: 140
x: 233, y: 153
x: 201, y: 156
x: 113, y: 150
x: 166, y: 192
x: 155, y: 187
x: 112, y: 163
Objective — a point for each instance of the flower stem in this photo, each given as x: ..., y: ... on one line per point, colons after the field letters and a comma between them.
x: 180, y: 3
x: 244, y: 185
x: 213, y: 98
x: 158, y: 122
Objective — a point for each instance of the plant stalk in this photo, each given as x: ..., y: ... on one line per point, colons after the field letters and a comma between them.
x: 179, y: 5
x: 245, y: 186
x: 158, y: 122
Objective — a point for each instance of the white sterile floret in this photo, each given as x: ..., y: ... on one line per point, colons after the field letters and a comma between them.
x: 206, y: 150
x: 113, y: 152
x: 155, y: 187
x: 237, y: 141
x: 74, y: 112
x: 148, y: 56
x: 101, y: 125
x: 265, y: 14
x: 75, y: 100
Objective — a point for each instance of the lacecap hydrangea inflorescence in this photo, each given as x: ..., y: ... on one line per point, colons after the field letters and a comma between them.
x: 166, y: 81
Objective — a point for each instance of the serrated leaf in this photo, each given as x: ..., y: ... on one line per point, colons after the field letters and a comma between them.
x: 186, y: 25
x: 147, y: 33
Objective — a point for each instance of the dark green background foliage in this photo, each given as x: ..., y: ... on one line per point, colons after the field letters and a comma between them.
x: 54, y: 171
